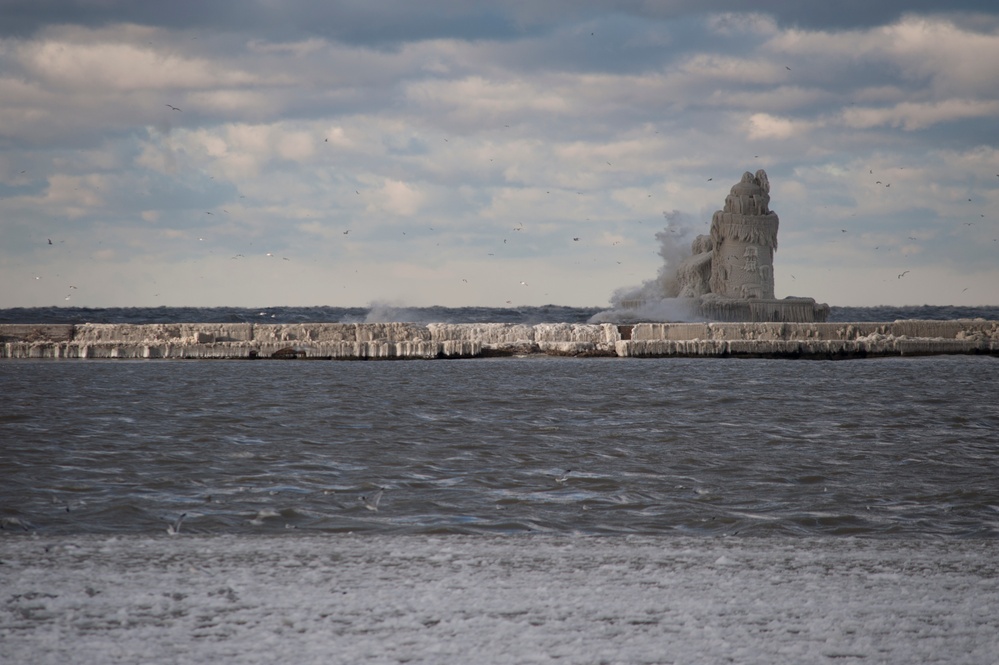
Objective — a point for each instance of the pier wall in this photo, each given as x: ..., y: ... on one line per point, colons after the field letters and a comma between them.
x: 361, y: 341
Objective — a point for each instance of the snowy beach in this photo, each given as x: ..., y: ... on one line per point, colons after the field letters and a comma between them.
x: 505, y: 599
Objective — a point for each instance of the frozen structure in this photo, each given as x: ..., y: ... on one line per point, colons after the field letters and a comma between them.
x: 743, y: 241
x: 729, y: 274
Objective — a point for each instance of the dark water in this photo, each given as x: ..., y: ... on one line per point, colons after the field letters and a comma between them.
x: 890, y: 448
x: 379, y: 314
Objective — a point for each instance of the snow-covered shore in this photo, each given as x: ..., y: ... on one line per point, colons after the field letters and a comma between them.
x: 503, y: 599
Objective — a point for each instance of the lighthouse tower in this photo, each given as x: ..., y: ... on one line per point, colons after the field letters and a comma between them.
x: 744, y: 239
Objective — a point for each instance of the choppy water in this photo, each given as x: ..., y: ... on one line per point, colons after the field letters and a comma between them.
x: 382, y: 313
x: 890, y: 448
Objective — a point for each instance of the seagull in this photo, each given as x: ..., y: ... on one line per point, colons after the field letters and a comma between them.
x: 174, y: 528
x: 371, y: 503
x: 564, y: 477
x: 903, y: 274
x: 174, y: 108
x: 50, y: 240
x: 15, y: 521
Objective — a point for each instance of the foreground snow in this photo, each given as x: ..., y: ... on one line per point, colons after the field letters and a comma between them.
x: 515, y: 599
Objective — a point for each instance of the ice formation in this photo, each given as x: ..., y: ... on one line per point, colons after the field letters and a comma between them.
x: 479, y: 599
x: 726, y: 276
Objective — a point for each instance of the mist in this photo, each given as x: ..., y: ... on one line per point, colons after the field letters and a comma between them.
x: 656, y: 299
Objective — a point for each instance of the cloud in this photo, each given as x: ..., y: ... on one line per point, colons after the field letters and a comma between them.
x: 763, y: 126
x: 430, y: 132
x: 913, y: 116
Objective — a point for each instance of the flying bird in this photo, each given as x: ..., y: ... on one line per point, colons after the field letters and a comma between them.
x: 371, y: 502
x: 564, y: 477
x: 174, y: 528
x: 903, y: 274
x: 173, y: 108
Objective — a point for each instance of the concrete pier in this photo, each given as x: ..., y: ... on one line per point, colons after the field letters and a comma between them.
x: 363, y: 341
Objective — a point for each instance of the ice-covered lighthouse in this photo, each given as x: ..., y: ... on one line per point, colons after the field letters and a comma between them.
x: 731, y: 272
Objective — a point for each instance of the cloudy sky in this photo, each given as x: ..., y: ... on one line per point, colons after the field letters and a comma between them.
x: 317, y: 152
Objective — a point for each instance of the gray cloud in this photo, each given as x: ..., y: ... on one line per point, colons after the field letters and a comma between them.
x: 392, y: 21
x: 403, y: 148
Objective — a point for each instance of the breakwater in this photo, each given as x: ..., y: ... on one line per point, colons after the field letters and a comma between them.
x: 362, y: 341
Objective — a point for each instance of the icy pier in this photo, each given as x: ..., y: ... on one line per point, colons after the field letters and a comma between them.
x: 361, y: 341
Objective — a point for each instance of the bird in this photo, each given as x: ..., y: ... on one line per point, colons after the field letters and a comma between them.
x: 371, y: 502
x: 174, y: 528
x: 50, y: 241
x: 564, y: 477
x: 15, y: 521
x: 903, y: 274
x: 173, y: 108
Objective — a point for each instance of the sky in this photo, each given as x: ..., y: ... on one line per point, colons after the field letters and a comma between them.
x: 502, y: 153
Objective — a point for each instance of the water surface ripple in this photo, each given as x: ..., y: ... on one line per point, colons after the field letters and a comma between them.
x: 888, y: 448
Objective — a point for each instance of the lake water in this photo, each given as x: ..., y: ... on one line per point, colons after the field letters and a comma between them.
x: 890, y: 448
